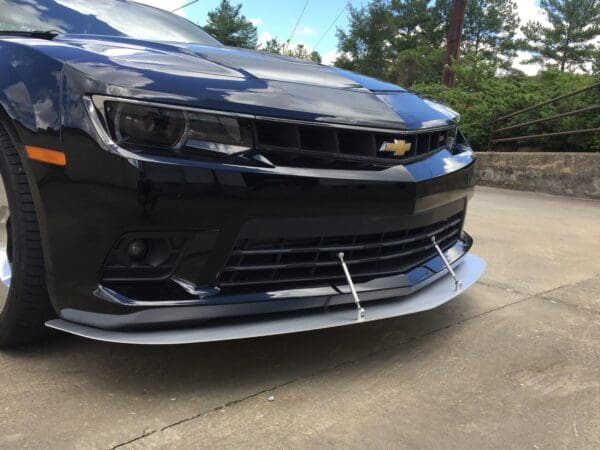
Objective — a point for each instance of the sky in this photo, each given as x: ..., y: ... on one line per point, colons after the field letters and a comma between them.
x: 278, y: 18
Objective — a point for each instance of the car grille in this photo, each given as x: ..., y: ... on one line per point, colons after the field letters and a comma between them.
x: 300, y: 145
x: 267, y: 264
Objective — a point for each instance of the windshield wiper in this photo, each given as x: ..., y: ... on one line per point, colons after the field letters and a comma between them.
x: 41, y: 34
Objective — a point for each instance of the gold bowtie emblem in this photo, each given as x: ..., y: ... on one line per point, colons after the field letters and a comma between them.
x: 399, y: 147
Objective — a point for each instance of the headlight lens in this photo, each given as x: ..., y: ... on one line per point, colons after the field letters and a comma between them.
x: 149, y: 126
x: 134, y: 125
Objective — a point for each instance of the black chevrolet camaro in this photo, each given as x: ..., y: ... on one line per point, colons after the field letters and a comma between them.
x: 161, y: 188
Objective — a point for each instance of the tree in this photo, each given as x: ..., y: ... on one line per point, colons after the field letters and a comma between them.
x: 419, y: 23
x: 273, y: 45
x: 568, y: 42
x: 228, y: 25
x: 596, y: 63
x: 421, y: 64
x: 455, y: 32
x: 300, y: 51
x: 402, y: 41
x: 397, y: 40
x: 367, y: 46
x: 489, y: 31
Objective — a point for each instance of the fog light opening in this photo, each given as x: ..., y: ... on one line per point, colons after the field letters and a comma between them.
x: 137, y: 250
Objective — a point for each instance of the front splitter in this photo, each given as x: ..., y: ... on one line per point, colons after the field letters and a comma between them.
x: 469, y: 271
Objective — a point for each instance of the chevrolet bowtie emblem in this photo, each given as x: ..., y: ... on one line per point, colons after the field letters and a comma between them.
x: 399, y: 147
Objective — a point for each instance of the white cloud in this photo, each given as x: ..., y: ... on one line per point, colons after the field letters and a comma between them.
x: 330, y: 57
x: 306, y: 31
x: 264, y: 37
x: 168, y: 5
x: 529, y: 69
x: 257, y: 21
x: 528, y: 10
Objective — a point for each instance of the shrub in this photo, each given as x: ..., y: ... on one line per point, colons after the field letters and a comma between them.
x: 489, y: 98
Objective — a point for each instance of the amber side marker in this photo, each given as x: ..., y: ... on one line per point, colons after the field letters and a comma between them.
x: 45, y: 155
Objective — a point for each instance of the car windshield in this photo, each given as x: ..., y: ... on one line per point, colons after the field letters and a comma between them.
x: 99, y: 17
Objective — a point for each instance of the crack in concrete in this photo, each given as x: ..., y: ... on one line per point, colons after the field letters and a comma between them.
x: 348, y: 362
x: 503, y: 287
x: 543, y: 296
x: 570, y: 305
x: 233, y: 403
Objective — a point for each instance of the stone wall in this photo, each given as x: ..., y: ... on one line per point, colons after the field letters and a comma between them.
x: 570, y: 174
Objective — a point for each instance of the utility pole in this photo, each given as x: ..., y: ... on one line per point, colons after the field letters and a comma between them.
x: 457, y: 20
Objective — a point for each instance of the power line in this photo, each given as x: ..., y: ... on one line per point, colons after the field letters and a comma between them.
x: 329, y: 28
x: 297, y: 23
x: 185, y: 6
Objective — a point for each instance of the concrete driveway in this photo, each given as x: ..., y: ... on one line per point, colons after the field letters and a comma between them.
x: 513, y: 363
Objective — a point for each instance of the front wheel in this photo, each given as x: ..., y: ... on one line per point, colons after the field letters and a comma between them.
x: 24, y: 302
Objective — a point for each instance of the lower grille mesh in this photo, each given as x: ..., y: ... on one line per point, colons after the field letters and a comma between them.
x: 266, y: 264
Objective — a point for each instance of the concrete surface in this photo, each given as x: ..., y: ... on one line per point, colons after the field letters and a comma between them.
x: 572, y: 174
x: 513, y: 363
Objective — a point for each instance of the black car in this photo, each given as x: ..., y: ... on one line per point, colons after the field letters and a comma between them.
x: 161, y: 188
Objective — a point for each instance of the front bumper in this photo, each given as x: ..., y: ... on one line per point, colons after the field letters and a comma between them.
x: 86, y: 208
x: 469, y: 269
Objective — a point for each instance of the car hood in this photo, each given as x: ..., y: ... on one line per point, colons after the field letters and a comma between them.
x: 249, y: 81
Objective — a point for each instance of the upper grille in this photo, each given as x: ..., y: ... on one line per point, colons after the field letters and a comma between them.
x: 299, y: 145
x: 256, y: 264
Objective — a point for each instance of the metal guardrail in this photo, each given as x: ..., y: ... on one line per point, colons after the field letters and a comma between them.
x: 494, y: 139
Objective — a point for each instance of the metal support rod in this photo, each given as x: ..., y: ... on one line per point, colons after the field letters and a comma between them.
x: 457, y: 283
x: 548, y: 102
x: 361, y: 311
x: 536, y: 136
x: 546, y: 119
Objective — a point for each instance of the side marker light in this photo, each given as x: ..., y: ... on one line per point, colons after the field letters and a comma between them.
x: 45, y: 155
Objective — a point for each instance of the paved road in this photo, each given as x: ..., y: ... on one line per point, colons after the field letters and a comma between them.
x: 515, y: 362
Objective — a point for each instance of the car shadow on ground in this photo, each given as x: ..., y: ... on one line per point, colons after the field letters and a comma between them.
x: 251, y: 365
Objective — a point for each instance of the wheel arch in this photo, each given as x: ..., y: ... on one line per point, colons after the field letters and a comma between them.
x: 21, y: 120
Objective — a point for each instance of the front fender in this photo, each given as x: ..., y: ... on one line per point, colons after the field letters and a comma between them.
x: 30, y: 105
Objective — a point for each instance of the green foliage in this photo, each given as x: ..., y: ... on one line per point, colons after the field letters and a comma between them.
x: 489, y: 32
x: 230, y: 26
x: 422, y: 64
x: 568, y: 42
x: 274, y: 45
x: 301, y: 52
x: 404, y: 40
x: 367, y: 47
x: 596, y: 63
x: 418, y: 23
x: 494, y: 97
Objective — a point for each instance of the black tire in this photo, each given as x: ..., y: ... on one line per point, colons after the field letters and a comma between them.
x: 27, y: 305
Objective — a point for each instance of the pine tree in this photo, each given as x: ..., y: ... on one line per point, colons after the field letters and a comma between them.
x: 230, y: 26
x: 300, y: 51
x: 421, y: 27
x: 596, y: 63
x: 568, y: 42
x: 489, y: 31
x: 273, y: 45
x: 403, y: 40
x: 367, y: 46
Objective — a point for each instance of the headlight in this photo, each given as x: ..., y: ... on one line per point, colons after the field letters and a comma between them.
x: 147, y: 126
x: 140, y: 126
